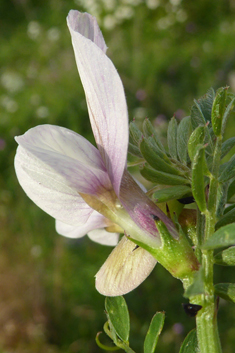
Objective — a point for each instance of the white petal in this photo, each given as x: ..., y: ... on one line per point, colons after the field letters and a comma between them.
x: 63, y: 155
x: 49, y: 192
x: 103, y: 237
x: 124, y: 270
x: 95, y: 220
x: 105, y: 99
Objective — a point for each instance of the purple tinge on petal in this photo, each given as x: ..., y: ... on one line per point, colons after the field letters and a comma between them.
x: 56, y: 157
x: 141, y: 209
x: 105, y: 97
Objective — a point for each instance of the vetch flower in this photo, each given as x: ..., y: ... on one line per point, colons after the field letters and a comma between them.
x: 89, y: 190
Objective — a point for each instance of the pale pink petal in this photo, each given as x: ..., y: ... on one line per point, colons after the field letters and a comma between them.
x: 125, y: 269
x: 103, y: 237
x: 49, y: 192
x: 105, y: 98
x: 63, y: 156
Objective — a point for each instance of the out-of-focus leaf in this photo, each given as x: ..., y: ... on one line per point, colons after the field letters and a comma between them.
x: 149, y: 131
x: 134, y: 150
x: 183, y: 132
x: 201, y: 110
x: 198, y: 187
x: 156, y: 176
x: 227, y: 146
x: 229, y: 217
x: 174, y: 192
x: 231, y: 190
x: 135, y: 133
x: 226, y: 257
x: 224, y: 236
x: 152, y: 157
x: 196, y: 138
x: 229, y: 171
x: 190, y: 344
x: 172, y: 138
x: 153, y: 333
x: 118, y: 316
x: 226, y: 291
x: 218, y: 109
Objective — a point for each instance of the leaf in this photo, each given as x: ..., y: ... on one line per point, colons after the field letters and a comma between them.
x: 231, y: 190
x: 198, y: 187
x: 229, y: 217
x: 162, y: 178
x: 226, y: 257
x: 227, y: 146
x: 218, y: 109
x: 229, y: 171
x: 195, y: 139
x: 183, y: 133
x: 190, y: 344
x: 153, y: 333
x: 197, y: 287
x: 201, y: 110
x: 172, y: 138
x: 149, y: 130
x: 135, y: 133
x: 154, y: 159
x: 118, y: 316
x: 134, y: 150
x: 171, y: 193
x: 224, y: 236
x: 226, y: 114
x: 226, y: 291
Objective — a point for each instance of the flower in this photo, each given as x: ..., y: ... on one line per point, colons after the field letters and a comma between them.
x: 88, y: 189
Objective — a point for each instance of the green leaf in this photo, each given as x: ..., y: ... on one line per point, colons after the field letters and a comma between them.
x: 229, y: 171
x: 227, y: 146
x: 153, y: 333
x: 171, y: 193
x: 154, y: 159
x: 190, y: 344
x: 183, y: 132
x: 226, y: 114
x: 218, y: 109
x: 231, y: 190
x: 172, y: 138
x: 201, y: 110
x: 158, y: 177
x: 226, y: 257
x: 224, y: 236
x: 197, y: 287
x: 198, y: 187
x: 196, y: 138
x: 135, y: 133
x: 134, y: 150
x: 226, y: 291
x: 118, y: 316
x: 149, y: 131
x: 229, y: 217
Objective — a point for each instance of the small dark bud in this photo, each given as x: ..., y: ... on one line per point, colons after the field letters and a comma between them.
x: 191, y: 309
x: 186, y: 200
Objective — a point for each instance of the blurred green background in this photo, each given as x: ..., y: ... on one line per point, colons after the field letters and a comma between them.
x: 167, y: 53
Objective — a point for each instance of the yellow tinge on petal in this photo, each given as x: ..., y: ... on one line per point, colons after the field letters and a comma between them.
x: 125, y: 269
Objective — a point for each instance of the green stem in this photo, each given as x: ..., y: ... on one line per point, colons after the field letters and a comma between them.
x: 206, y: 320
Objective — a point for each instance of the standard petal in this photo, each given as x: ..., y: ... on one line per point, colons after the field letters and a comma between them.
x: 62, y: 155
x: 105, y: 98
x: 103, y: 237
x: 125, y: 269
